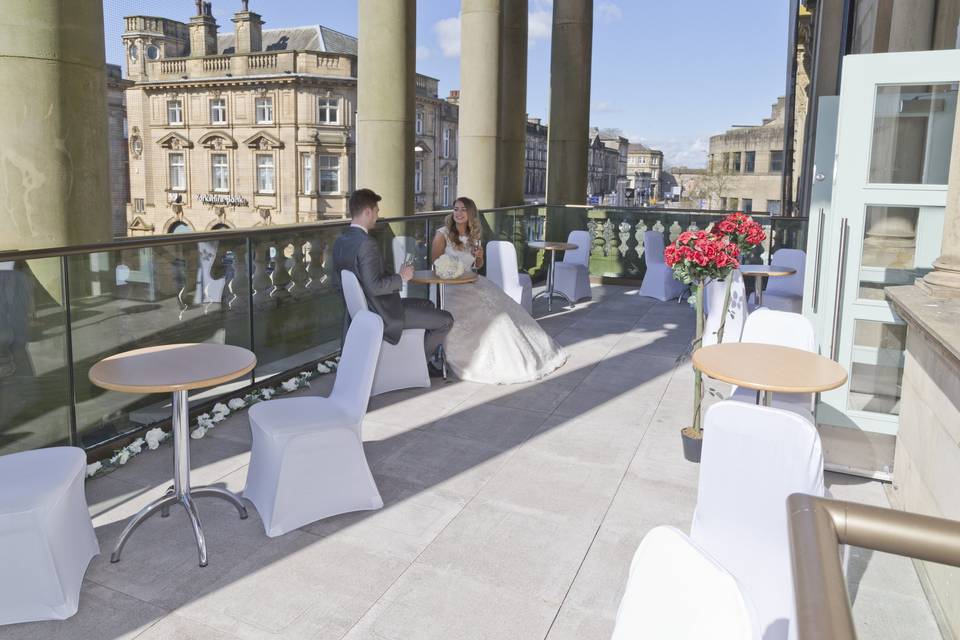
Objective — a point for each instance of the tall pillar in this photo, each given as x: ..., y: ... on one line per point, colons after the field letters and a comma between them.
x: 479, y: 100
x: 54, y: 160
x: 570, y: 59
x: 385, y: 101
x: 513, y: 104
x: 944, y: 280
x: 911, y: 25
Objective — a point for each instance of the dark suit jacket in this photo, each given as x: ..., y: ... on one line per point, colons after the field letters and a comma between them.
x: 358, y: 253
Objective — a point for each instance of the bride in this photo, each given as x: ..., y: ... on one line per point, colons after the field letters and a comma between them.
x: 493, y: 340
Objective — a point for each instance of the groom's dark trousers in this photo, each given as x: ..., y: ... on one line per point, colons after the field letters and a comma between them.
x: 358, y: 253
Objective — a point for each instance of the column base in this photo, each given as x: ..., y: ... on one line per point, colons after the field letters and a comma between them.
x: 942, y: 282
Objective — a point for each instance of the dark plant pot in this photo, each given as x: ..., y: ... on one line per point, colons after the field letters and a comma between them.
x: 692, y: 444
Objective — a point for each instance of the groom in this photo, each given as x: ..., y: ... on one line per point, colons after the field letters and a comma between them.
x: 358, y: 253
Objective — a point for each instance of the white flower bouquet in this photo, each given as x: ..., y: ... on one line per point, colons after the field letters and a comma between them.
x: 447, y: 267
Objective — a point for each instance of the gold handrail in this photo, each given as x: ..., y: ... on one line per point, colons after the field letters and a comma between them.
x: 819, y: 525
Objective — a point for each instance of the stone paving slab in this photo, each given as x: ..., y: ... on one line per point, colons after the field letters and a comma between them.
x: 509, y: 512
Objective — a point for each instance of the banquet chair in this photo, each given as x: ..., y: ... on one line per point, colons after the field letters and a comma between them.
x: 571, y: 276
x: 46, y: 537
x: 402, y: 246
x: 502, y: 271
x: 401, y: 365
x: 753, y: 458
x: 658, y: 281
x: 785, y: 293
x: 785, y: 329
x: 306, y: 459
x: 676, y: 590
x: 736, y: 312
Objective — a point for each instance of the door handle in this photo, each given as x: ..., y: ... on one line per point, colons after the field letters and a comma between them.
x: 816, y: 267
x: 838, y: 296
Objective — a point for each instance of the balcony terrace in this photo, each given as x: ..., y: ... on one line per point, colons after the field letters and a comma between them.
x: 510, y: 512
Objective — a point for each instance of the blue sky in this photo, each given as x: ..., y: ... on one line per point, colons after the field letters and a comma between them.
x: 668, y: 73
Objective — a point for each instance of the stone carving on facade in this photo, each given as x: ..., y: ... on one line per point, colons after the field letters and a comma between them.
x: 263, y: 141
x: 175, y: 141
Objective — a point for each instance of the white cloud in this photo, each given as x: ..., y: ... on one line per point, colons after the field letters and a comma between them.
x: 423, y: 52
x: 607, y: 11
x: 448, y: 36
x: 602, y: 106
x: 677, y: 152
x: 539, y: 25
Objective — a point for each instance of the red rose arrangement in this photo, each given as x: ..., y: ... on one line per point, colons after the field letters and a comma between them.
x: 741, y: 230
x: 699, y: 255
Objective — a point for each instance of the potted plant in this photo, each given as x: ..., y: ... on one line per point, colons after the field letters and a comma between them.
x: 696, y: 257
x: 745, y: 232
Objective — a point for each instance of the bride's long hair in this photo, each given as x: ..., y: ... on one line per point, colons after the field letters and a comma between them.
x: 474, y: 231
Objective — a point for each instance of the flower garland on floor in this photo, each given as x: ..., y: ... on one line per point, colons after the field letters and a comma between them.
x: 153, y: 438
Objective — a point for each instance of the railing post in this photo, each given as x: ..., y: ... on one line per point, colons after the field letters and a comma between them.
x: 74, y: 437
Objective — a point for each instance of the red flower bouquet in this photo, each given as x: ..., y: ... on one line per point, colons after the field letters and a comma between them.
x: 740, y: 229
x: 698, y: 255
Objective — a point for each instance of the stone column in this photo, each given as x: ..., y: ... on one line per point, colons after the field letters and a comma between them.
x: 513, y: 104
x: 911, y: 25
x: 944, y: 280
x: 54, y: 160
x: 570, y: 59
x: 385, y: 101
x: 479, y: 100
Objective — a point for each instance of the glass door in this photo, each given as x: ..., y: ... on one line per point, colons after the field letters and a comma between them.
x: 894, y: 138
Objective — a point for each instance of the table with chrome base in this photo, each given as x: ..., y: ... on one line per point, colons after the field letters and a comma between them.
x: 550, y: 293
x: 429, y: 277
x: 176, y: 369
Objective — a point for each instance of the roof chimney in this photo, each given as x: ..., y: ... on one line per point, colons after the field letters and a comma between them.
x: 454, y: 97
x: 249, y: 30
x: 203, y: 31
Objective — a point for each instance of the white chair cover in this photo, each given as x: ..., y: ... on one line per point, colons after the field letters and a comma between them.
x: 402, y: 247
x: 677, y: 591
x: 766, y: 326
x: 658, y: 281
x: 402, y: 365
x: 785, y: 293
x: 502, y: 271
x: 307, y: 461
x: 46, y: 537
x: 753, y: 458
x: 572, y: 275
x: 736, y: 312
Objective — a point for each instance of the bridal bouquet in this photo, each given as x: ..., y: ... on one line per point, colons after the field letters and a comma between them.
x: 448, y: 267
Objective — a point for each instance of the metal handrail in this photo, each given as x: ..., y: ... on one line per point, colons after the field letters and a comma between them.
x: 819, y: 525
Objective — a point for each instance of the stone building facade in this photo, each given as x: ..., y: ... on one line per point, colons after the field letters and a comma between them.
x: 119, y: 154
x: 745, y: 165
x: 603, y: 166
x: 435, y: 132
x: 644, y: 170
x: 535, y: 162
x: 254, y: 127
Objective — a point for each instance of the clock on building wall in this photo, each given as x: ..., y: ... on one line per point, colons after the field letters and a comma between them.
x: 153, y: 52
x: 134, y: 52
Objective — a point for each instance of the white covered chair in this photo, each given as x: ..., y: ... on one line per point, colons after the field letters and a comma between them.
x: 658, y: 281
x: 46, y: 537
x: 402, y: 246
x: 677, y: 591
x: 753, y: 458
x: 766, y: 326
x: 306, y: 460
x: 736, y: 312
x: 502, y: 271
x: 785, y: 293
x: 402, y: 365
x: 572, y: 274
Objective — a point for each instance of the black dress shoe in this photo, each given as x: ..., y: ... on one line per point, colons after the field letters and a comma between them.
x: 434, y: 371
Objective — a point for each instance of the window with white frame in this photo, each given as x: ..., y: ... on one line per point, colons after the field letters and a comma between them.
x: 419, y: 122
x: 265, y: 173
x: 178, y: 172
x: 220, y: 172
x: 138, y: 205
x: 264, y: 110
x: 174, y: 112
x: 446, y: 191
x: 418, y: 176
x: 328, y: 111
x: 306, y: 172
x: 329, y: 174
x: 218, y: 111
x: 446, y: 143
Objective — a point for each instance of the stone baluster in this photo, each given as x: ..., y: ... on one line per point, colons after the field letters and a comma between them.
x: 298, y: 270
x: 624, y: 228
x: 261, y: 276
x: 281, y: 270
x: 675, y: 231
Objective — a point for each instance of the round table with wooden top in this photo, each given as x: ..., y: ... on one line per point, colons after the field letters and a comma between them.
x: 769, y: 368
x: 176, y: 369
x: 429, y: 277
x: 761, y: 271
x: 550, y: 293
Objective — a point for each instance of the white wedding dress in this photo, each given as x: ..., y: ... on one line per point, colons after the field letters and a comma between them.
x: 494, y: 340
